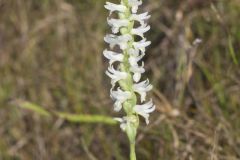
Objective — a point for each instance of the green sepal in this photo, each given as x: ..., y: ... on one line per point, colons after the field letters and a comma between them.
x: 132, y: 127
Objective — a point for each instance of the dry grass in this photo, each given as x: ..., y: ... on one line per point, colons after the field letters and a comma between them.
x: 51, y: 54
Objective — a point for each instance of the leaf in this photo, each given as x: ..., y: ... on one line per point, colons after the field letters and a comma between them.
x: 83, y: 118
x: 75, y: 118
x: 33, y: 107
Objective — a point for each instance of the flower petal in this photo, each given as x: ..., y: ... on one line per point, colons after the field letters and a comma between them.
x: 144, y: 110
x: 141, y: 88
x: 113, y: 56
x: 115, y: 7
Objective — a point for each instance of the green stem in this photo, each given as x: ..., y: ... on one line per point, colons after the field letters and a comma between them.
x: 132, y: 151
x: 127, y: 84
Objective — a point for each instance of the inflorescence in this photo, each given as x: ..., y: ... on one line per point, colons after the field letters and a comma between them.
x: 125, y: 68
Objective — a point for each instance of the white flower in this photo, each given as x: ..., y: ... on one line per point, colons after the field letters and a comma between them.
x: 113, y: 56
x: 133, y: 60
x: 140, y: 17
x: 144, y: 110
x: 115, y: 7
x: 119, y: 96
x: 115, y: 75
x: 114, y: 40
x: 123, y: 123
x: 140, y: 30
x: 137, y: 76
x: 133, y: 52
x: 116, y: 24
x: 134, y: 4
x: 141, y: 45
x: 137, y: 71
x: 141, y: 88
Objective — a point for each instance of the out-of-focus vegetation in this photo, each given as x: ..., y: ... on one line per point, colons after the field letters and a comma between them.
x: 51, y: 55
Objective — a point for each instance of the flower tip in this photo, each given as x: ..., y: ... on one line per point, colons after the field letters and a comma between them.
x: 147, y: 121
x: 137, y: 77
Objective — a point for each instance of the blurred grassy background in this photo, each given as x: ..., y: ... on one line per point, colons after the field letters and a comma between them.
x: 51, y: 55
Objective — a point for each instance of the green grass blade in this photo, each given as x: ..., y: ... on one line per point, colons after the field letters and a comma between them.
x: 231, y: 51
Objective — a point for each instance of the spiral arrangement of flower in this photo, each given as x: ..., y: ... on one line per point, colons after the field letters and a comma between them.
x: 125, y: 66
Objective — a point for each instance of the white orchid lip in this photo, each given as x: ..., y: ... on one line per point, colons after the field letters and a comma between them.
x: 123, y: 122
x: 119, y: 96
x: 140, y: 17
x: 133, y: 60
x: 133, y: 52
x: 116, y: 24
x: 115, y: 75
x: 140, y: 30
x: 141, y: 88
x: 144, y: 110
x: 137, y: 71
x: 134, y: 4
x: 113, y: 56
x: 141, y: 45
x: 114, y: 40
x: 115, y: 7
